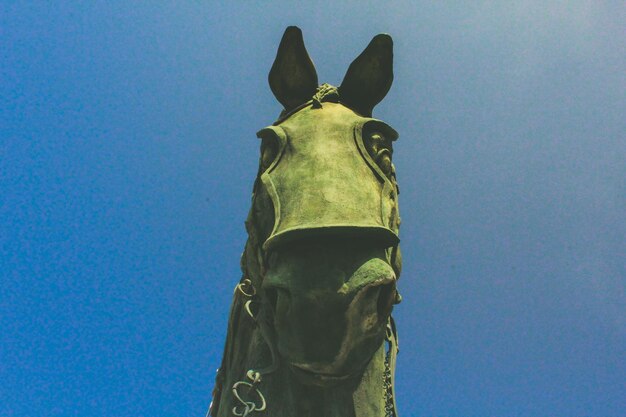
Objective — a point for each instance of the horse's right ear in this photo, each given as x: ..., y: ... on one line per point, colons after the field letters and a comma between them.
x: 293, y: 78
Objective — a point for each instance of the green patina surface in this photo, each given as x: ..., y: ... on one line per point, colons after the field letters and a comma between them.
x: 323, y: 178
x: 310, y: 331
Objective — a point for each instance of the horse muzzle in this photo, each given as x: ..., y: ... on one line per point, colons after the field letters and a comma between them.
x: 331, y: 300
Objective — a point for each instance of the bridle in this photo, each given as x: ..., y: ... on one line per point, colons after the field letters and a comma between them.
x: 254, y: 314
x: 247, y: 391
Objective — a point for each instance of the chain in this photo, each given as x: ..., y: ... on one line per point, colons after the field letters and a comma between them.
x: 388, y: 388
x: 248, y: 406
x: 390, y: 363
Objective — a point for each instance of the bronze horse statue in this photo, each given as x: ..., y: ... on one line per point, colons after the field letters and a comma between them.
x: 310, y: 332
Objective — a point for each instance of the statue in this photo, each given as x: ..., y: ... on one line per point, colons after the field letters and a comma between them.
x: 310, y: 331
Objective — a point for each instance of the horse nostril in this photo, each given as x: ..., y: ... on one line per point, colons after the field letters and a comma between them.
x: 386, y: 296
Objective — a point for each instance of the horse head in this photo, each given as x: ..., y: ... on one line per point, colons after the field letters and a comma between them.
x: 322, y: 258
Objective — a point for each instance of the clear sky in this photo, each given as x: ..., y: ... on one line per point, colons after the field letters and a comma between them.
x: 128, y: 153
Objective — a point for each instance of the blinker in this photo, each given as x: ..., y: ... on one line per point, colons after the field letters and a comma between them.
x: 324, y: 182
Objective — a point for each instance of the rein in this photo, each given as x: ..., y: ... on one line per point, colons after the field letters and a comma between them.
x: 247, y: 289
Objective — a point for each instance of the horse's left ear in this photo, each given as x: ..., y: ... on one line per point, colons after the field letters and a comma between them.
x: 369, y: 77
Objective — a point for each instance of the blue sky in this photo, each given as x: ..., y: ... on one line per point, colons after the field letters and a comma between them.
x: 128, y: 153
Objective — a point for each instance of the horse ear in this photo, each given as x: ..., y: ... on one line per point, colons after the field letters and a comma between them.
x: 369, y: 77
x: 293, y: 78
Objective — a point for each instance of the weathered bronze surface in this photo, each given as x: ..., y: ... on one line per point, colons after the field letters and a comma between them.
x: 310, y: 330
